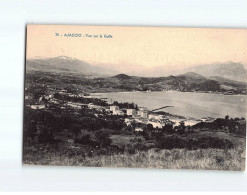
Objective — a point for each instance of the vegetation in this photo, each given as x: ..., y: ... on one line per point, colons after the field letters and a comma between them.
x: 236, y: 126
x: 99, y: 139
x: 186, y: 82
x: 125, y: 105
x: 42, y: 122
x: 83, y: 100
x: 91, y: 136
x: 190, y: 143
x: 210, y: 159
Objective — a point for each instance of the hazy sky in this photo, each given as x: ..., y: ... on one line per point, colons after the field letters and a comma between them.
x: 139, y: 46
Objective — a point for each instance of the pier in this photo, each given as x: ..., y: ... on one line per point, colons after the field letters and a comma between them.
x: 161, y: 108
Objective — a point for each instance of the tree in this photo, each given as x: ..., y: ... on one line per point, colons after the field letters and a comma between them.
x: 168, y: 128
x: 181, y: 127
x: 102, y: 138
x: 38, y: 92
x: 150, y: 127
x: 84, y: 139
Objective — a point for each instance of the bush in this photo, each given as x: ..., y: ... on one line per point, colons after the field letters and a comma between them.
x: 214, y: 142
x: 102, y: 138
x: 203, y: 143
x: 171, y: 142
x: 85, y: 140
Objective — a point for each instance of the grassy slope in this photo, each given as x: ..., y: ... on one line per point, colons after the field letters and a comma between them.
x: 209, y: 159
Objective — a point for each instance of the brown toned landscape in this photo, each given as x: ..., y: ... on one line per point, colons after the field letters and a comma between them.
x: 180, y: 115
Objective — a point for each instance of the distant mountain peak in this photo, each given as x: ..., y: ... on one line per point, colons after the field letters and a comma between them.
x: 65, y: 63
x: 65, y: 58
x: 37, y: 57
x: 230, y: 70
x: 122, y: 76
x: 58, y: 57
x: 192, y: 74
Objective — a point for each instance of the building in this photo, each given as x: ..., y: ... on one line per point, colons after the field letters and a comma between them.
x: 74, y: 105
x: 63, y: 92
x: 36, y: 107
x: 119, y: 112
x: 54, y: 101
x: 190, y: 122
x: 131, y: 112
x: 207, y: 119
x: 90, y: 105
x: 51, y: 96
x: 141, y: 120
x: 157, y: 124
x: 72, y: 95
x: 129, y: 120
x: 139, y: 127
x: 40, y: 99
x: 115, y: 110
x: 139, y: 112
x: 155, y: 116
x: 176, y: 121
x: 143, y: 112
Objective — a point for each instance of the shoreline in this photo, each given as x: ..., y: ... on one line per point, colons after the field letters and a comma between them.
x: 203, y: 110
x: 170, y: 91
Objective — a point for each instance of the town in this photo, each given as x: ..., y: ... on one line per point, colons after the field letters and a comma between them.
x: 138, y: 117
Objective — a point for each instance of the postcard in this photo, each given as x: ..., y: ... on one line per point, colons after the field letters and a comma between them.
x: 135, y: 97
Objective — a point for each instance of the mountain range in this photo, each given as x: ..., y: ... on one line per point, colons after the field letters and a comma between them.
x: 188, y: 82
x: 214, y: 77
x: 67, y: 64
x: 228, y: 70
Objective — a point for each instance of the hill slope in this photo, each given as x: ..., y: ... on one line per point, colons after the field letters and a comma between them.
x: 229, y: 70
x: 184, y: 82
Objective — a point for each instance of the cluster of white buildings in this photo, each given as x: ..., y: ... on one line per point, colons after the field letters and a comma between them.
x: 116, y: 111
x: 142, y: 112
x: 141, y: 116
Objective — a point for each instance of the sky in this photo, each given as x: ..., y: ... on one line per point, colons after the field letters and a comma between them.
x: 138, y: 47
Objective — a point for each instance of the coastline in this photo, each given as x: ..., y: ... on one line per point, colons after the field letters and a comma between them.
x: 192, y: 102
x: 169, y: 91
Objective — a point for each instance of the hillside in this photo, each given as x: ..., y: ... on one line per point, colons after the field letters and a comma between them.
x: 229, y: 70
x: 184, y: 82
x: 228, y: 82
x: 75, y: 71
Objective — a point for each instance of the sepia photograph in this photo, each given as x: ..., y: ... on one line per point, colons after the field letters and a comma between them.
x: 135, y: 97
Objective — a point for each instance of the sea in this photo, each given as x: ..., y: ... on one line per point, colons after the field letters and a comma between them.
x: 188, y: 104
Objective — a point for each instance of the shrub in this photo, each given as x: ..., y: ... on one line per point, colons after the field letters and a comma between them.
x: 85, y: 139
x: 171, y: 142
x: 190, y: 144
x: 214, y: 142
x: 102, y: 138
